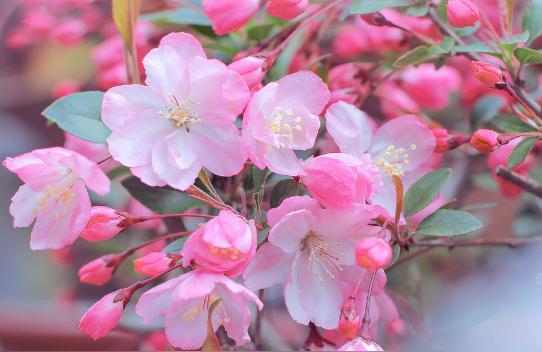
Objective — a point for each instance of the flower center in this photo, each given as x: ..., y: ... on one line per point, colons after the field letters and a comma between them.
x: 392, y: 160
x: 324, y: 255
x: 181, y: 113
x: 282, y: 123
x: 200, y: 306
x: 226, y: 253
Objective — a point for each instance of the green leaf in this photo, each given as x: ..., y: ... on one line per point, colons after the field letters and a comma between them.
x: 442, y: 11
x: 467, y: 31
x: 423, y: 191
x: 260, y: 32
x: 162, y: 200
x: 486, y: 108
x: 262, y: 235
x: 418, y: 10
x: 176, y: 246
x: 395, y: 252
x: 418, y: 56
x: 118, y: 172
x: 80, y: 114
x: 125, y: 14
x: 259, y: 177
x: 181, y: 15
x: 531, y: 19
x: 521, y: 151
x: 528, y: 56
x: 362, y: 7
x: 282, y: 190
x: 446, y: 222
x: 477, y: 47
x: 510, y: 123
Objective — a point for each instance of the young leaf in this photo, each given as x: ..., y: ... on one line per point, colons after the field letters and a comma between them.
x: 521, y: 151
x: 528, y: 56
x: 531, y: 19
x: 362, y: 7
x: 125, y: 13
x: 282, y: 190
x: 163, y: 200
x: 510, y: 123
x: 446, y: 222
x: 423, y: 191
x: 80, y: 114
x: 176, y: 246
x: 477, y: 47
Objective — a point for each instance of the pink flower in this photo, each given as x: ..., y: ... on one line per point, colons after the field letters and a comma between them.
x: 102, y: 225
x: 283, y: 117
x: 225, y: 244
x: 311, y: 252
x: 428, y: 87
x: 399, y: 147
x: 485, y: 141
x: 287, y: 9
x: 185, y: 300
x: 229, y: 15
x: 250, y: 68
x: 102, y: 317
x: 487, y: 73
x: 373, y: 253
x: 462, y: 13
x: 65, y: 88
x: 182, y: 120
x: 96, y: 272
x: 395, y: 101
x: 339, y: 180
x: 70, y: 32
x: 54, y: 194
x: 360, y: 344
x: 152, y: 264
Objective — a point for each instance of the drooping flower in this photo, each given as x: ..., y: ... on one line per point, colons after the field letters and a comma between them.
x: 181, y: 120
x: 102, y: 225
x: 54, y: 194
x: 229, y: 15
x: 283, y: 117
x: 400, y: 147
x: 185, y: 301
x: 311, y: 252
x: 102, y: 317
x: 225, y: 244
x: 287, y: 9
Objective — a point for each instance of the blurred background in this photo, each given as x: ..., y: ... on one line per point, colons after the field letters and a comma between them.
x: 462, y: 299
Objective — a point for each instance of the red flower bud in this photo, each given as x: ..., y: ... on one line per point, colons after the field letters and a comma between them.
x: 350, y: 321
x: 441, y: 137
x: 487, y: 73
x: 102, y: 317
x: 373, y: 253
x: 102, y: 225
x: 152, y: 264
x: 96, y: 272
x: 462, y: 13
x: 485, y: 141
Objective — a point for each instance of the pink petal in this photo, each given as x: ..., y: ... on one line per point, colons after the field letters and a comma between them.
x: 303, y: 88
x: 23, y: 204
x: 290, y: 205
x: 282, y: 161
x: 156, y: 301
x: 349, y: 128
x: 184, y: 329
x: 291, y: 229
x: 147, y: 175
x: 185, y: 44
x: 168, y: 171
x: 167, y: 73
x: 270, y: 266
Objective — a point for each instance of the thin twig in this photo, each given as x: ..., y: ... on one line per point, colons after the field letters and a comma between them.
x: 523, y: 182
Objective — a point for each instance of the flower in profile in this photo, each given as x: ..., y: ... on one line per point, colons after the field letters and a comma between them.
x: 229, y: 15
x: 181, y: 120
x: 102, y: 317
x: 96, y: 272
x: 283, y: 117
x: 185, y: 302
x: 152, y: 263
x: 287, y: 9
x: 489, y: 74
x: 462, y: 13
x: 102, y: 225
x: 373, y: 253
x: 225, y: 244
x: 54, y: 194
x: 311, y: 252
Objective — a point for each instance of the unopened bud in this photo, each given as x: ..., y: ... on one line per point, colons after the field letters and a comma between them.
x: 102, y: 317
x: 487, y: 73
x: 485, y: 141
x: 97, y: 272
x: 462, y: 13
x: 103, y: 224
x: 152, y: 264
x: 373, y: 253
x: 350, y: 321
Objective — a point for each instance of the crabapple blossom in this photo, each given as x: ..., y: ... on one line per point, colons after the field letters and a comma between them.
x: 487, y: 73
x: 184, y: 302
x: 102, y: 317
x: 225, y: 244
x: 350, y: 321
x: 287, y: 9
x: 229, y: 15
x: 283, y: 117
x: 373, y: 253
x: 484, y: 140
x: 181, y: 120
x: 251, y: 69
x: 102, y: 224
x: 311, y: 252
x: 360, y: 344
x: 152, y: 263
x: 54, y: 194
x: 462, y: 13
x: 96, y: 272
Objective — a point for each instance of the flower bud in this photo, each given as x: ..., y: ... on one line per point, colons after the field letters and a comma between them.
x: 102, y: 225
x: 373, y: 253
x: 485, y: 141
x: 96, y: 272
x: 102, y: 317
x: 360, y: 344
x: 229, y: 15
x: 152, y: 264
x: 350, y: 321
x: 287, y: 9
x: 462, y: 13
x: 441, y: 139
x: 487, y: 73
x: 251, y: 69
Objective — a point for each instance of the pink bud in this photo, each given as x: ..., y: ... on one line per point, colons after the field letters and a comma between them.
x: 65, y: 88
x: 102, y: 317
x: 287, y: 9
x: 485, y: 141
x: 229, y: 15
x: 152, y: 264
x: 96, y: 272
x: 462, y: 13
x: 102, y: 225
x: 373, y: 253
x: 441, y: 137
x: 350, y: 321
x: 487, y: 73
x: 250, y: 68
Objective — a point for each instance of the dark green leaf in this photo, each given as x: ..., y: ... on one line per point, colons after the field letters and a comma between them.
x: 361, y: 7
x: 531, y: 19
x: 528, y: 56
x: 282, y: 190
x: 423, y: 191
x: 521, y: 151
x: 467, y: 31
x: 477, y: 47
x: 259, y: 177
x: 442, y: 11
x: 176, y: 246
x: 446, y: 222
x: 486, y: 108
x: 182, y: 15
x: 163, y: 200
x: 510, y: 123
x: 260, y: 32
x: 80, y: 114
x: 118, y: 171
